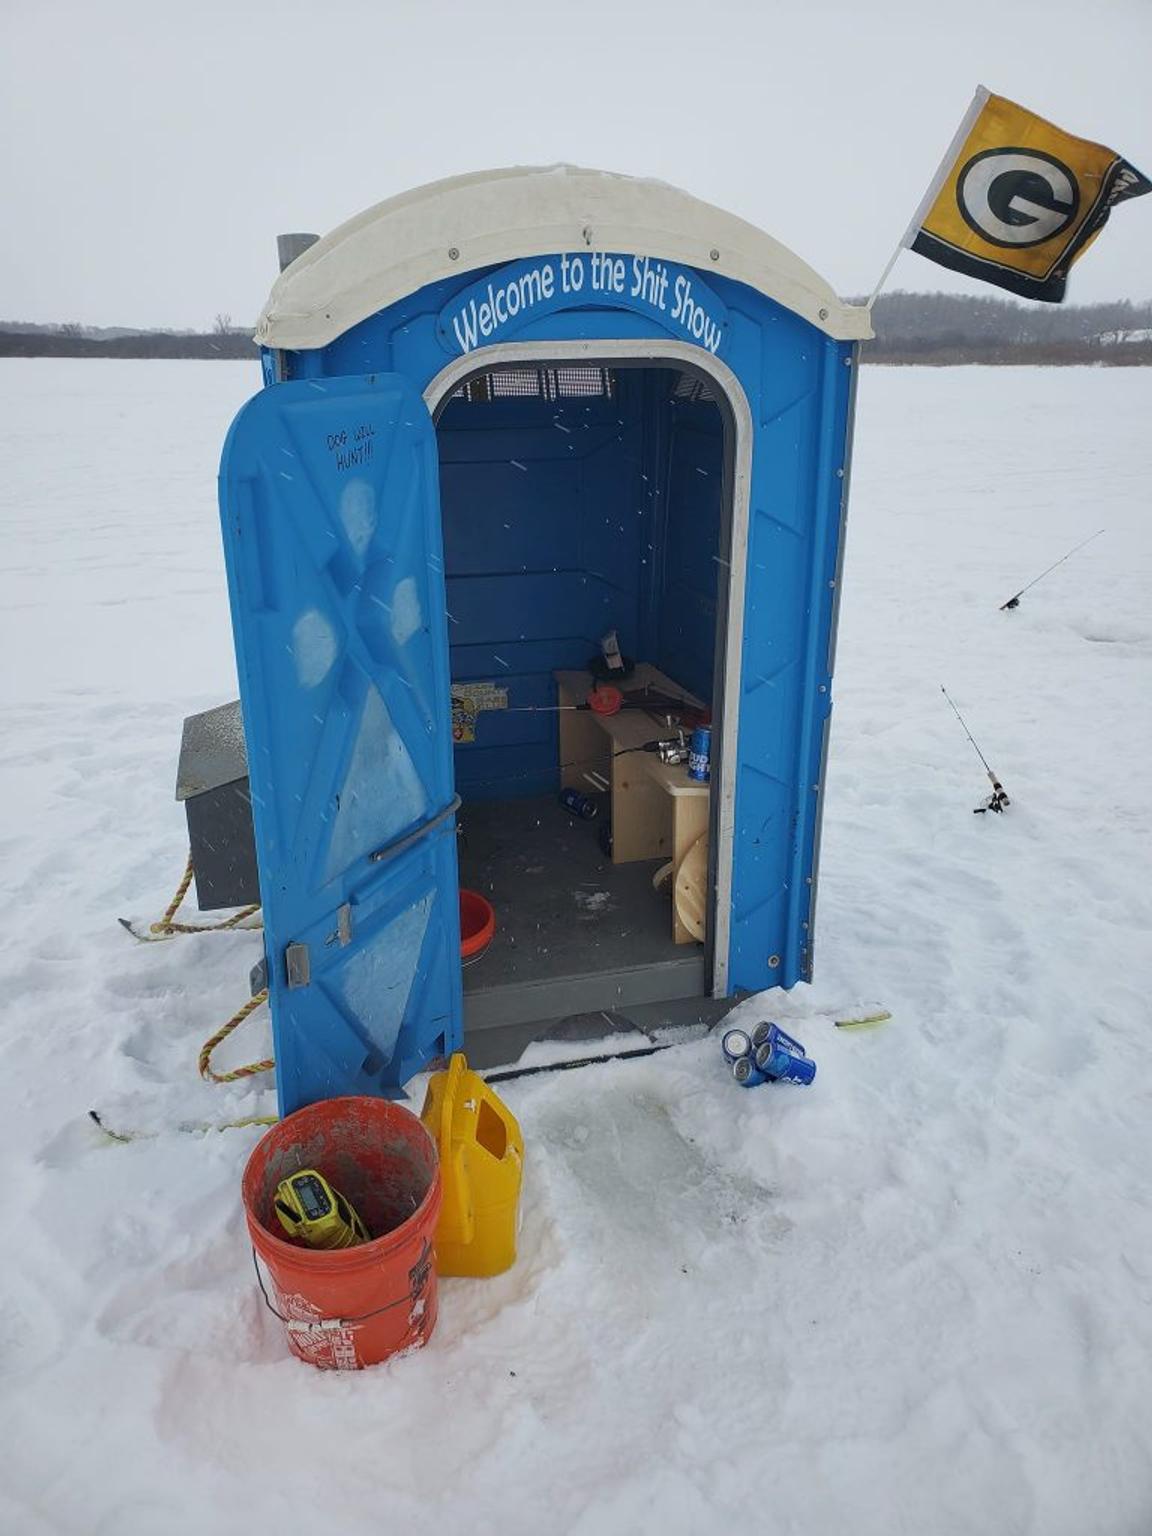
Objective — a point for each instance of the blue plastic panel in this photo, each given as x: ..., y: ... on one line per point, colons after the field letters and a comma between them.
x: 330, y: 511
x: 542, y: 551
x: 794, y: 533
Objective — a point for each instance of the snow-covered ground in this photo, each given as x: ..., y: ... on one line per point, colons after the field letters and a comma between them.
x: 914, y: 1298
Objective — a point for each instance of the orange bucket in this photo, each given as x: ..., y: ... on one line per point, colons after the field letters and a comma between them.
x: 477, y: 924
x: 347, y: 1308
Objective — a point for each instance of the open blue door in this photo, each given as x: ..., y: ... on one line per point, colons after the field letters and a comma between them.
x: 329, y: 499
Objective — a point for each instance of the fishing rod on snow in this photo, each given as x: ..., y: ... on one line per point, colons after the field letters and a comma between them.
x: 1014, y: 601
x: 997, y: 801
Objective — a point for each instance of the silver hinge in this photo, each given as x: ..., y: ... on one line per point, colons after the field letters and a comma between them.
x: 298, y: 965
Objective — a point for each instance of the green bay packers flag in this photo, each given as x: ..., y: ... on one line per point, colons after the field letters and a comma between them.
x: 1017, y: 200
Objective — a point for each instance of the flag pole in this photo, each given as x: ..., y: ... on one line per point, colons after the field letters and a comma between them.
x: 883, y: 278
x: 942, y: 173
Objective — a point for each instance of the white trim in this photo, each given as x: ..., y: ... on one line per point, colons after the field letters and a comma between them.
x: 466, y: 223
x: 676, y: 352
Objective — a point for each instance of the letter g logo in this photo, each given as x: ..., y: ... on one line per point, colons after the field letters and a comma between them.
x: 1017, y: 197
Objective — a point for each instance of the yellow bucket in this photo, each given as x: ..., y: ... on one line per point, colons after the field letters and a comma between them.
x: 481, y: 1166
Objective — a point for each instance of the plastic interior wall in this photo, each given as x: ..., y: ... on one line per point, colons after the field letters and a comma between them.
x: 798, y: 385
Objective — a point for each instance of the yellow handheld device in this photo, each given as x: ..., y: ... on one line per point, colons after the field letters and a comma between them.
x: 308, y: 1208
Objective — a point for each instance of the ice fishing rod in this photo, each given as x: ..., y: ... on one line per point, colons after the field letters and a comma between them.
x: 997, y: 801
x: 603, y: 699
x: 1014, y: 601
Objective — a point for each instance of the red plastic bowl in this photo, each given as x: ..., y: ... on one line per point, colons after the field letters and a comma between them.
x: 477, y: 924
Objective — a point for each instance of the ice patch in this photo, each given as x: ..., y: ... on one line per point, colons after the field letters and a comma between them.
x: 688, y: 1213
x: 407, y: 615
x: 358, y: 514
x: 314, y: 648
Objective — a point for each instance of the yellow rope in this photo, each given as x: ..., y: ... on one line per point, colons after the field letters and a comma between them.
x: 167, y: 928
x: 189, y: 1127
x: 222, y: 1034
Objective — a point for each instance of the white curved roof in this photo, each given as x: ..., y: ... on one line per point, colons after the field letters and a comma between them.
x: 491, y: 217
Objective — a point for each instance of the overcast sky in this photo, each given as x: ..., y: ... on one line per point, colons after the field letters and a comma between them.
x: 152, y: 151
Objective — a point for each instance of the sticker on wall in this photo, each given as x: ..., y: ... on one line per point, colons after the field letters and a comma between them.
x: 506, y: 301
x: 468, y: 700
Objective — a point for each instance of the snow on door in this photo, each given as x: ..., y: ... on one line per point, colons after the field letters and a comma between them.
x: 329, y: 500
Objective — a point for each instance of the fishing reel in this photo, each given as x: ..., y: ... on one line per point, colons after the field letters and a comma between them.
x: 673, y: 750
x: 997, y: 801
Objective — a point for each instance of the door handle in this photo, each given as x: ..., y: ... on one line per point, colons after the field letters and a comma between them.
x: 390, y: 850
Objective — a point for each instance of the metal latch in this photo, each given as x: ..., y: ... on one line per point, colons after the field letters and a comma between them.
x: 342, y: 933
x: 298, y: 965
x: 258, y: 976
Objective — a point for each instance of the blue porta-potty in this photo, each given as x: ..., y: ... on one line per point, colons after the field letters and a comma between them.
x: 505, y: 416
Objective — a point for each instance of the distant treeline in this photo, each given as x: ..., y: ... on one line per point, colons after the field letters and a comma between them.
x: 929, y: 328
x: 67, y: 341
x: 946, y: 328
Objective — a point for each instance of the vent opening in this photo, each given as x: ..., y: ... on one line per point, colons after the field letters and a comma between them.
x: 576, y: 381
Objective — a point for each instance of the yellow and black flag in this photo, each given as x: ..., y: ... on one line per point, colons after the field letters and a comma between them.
x: 1017, y: 200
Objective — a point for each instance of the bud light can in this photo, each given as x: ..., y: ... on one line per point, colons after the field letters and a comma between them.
x: 700, y: 753
x: 766, y: 1031
x: 579, y: 804
x: 747, y: 1074
x: 736, y: 1043
x: 781, y: 1065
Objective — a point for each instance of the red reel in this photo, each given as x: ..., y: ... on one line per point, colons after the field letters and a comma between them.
x: 605, y: 700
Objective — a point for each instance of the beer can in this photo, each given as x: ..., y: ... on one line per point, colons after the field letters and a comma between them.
x: 780, y: 1065
x: 579, y: 804
x: 764, y: 1031
x: 736, y: 1043
x: 746, y: 1073
x: 700, y: 753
